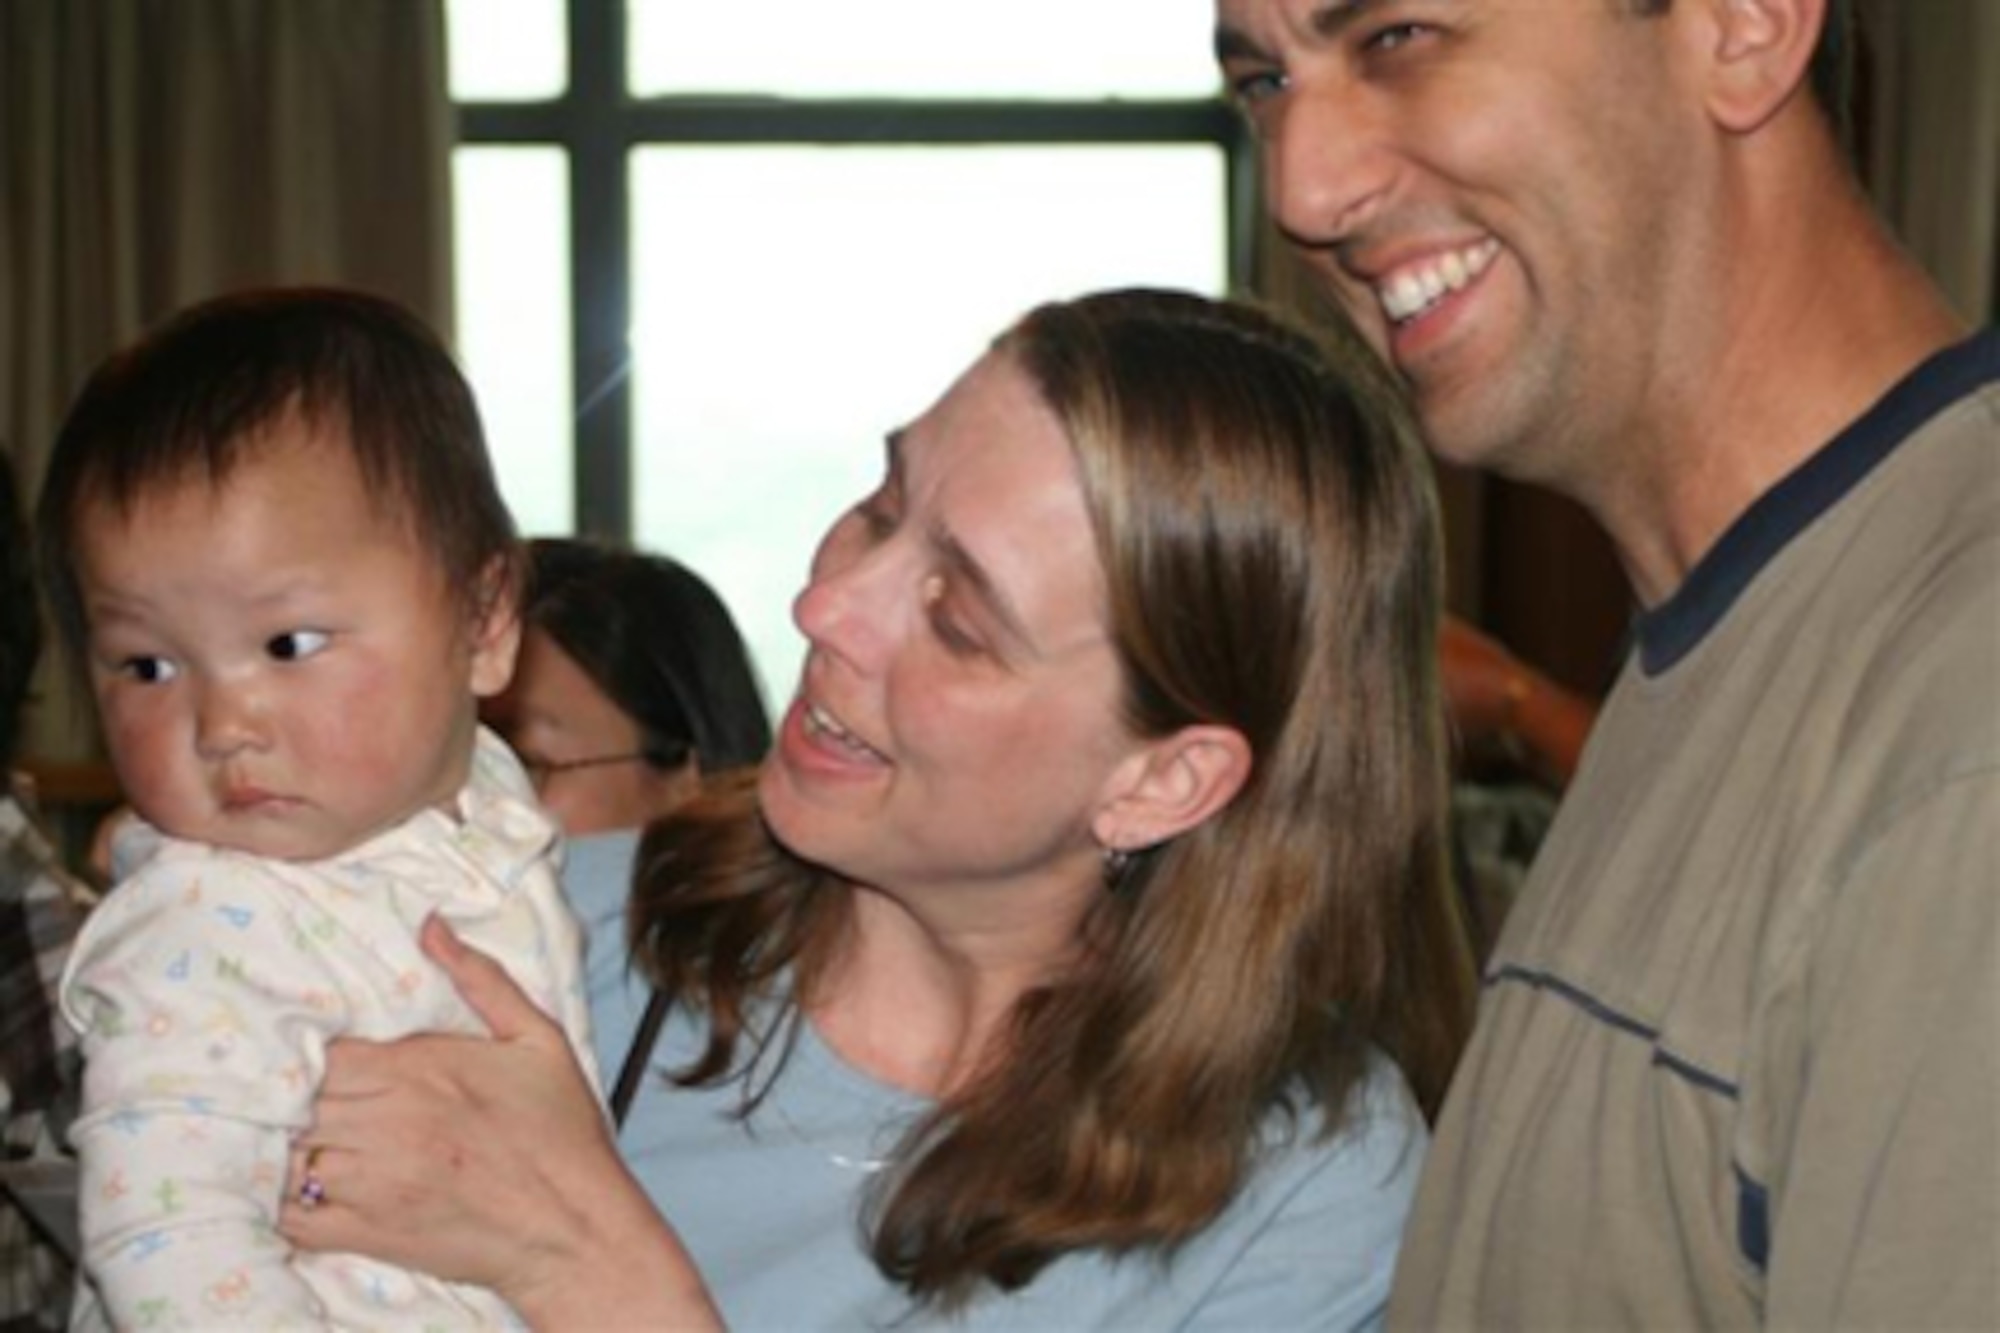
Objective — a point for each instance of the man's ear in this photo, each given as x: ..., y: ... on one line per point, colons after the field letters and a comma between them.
x: 1171, y: 785
x: 496, y: 626
x: 1759, y: 52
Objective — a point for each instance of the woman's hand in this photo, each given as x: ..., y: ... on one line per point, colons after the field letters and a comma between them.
x: 489, y: 1161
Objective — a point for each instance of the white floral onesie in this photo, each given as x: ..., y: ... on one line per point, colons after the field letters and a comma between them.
x: 207, y: 987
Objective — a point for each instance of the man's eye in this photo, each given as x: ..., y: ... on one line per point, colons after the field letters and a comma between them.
x: 149, y: 670
x: 298, y: 644
x: 1393, y: 36
x: 1252, y: 88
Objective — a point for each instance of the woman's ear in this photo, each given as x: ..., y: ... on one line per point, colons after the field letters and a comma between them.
x: 1759, y: 53
x: 496, y: 626
x: 1171, y: 785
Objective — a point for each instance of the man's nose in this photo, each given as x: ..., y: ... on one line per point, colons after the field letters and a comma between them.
x: 1327, y: 161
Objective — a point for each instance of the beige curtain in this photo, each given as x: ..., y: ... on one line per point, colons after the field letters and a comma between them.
x: 1932, y: 137
x: 155, y: 152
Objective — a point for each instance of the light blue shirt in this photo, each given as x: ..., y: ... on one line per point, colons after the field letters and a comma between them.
x: 770, y: 1209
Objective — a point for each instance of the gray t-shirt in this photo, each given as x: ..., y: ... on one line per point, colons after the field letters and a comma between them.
x: 1738, y: 1061
x: 769, y: 1209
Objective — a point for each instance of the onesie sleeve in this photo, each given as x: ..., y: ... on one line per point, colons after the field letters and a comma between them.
x: 1884, y: 1207
x: 204, y: 1008
x: 1322, y: 1255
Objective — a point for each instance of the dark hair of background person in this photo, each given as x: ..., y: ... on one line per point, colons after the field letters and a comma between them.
x: 1269, y: 533
x: 210, y: 386
x: 20, y: 617
x: 657, y: 640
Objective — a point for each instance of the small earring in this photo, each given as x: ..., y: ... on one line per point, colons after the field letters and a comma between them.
x: 1117, y: 861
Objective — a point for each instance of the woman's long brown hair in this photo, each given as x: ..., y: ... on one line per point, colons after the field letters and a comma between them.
x: 1269, y: 536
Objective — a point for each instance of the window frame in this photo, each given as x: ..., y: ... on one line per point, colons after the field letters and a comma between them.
x: 597, y: 124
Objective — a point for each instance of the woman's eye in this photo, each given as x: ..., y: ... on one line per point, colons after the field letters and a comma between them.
x: 956, y: 639
x: 877, y: 518
x: 951, y: 632
x: 149, y: 670
x: 298, y: 644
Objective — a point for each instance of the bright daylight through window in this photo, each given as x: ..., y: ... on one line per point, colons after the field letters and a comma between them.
x: 807, y: 219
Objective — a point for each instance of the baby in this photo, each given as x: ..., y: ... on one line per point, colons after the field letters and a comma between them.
x: 274, y: 543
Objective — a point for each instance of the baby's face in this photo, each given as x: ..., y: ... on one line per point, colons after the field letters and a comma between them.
x: 279, y: 668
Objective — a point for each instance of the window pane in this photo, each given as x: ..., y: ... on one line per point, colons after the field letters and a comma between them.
x: 513, y: 297
x: 507, y: 50
x: 924, y: 48
x: 792, y: 305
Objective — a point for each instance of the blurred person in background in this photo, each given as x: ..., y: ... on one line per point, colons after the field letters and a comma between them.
x: 633, y: 683
x: 41, y: 907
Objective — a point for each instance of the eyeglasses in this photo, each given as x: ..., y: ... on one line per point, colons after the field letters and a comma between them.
x: 541, y: 770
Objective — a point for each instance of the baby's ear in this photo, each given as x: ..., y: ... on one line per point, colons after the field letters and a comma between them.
x: 496, y: 626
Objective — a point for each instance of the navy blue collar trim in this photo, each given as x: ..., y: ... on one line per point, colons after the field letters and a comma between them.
x: 1672, y: 630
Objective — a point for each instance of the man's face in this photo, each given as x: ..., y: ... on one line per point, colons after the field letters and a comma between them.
x: 1492, y: 189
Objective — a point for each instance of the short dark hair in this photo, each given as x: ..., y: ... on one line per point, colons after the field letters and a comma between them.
x: 658, y: 641
x: 191, y: 399
x: 20, y: 617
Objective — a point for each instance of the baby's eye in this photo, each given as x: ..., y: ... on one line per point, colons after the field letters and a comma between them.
x: 300, y: 643
x: 149, y: 670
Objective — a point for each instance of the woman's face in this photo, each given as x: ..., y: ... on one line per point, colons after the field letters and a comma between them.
x: 583, y: 751
x: 957, y: 721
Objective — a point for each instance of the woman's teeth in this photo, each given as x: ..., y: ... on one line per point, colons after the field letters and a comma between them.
x: 822, y: 725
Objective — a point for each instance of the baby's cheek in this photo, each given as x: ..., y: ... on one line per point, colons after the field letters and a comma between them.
x: 378, y: 734
x: 142, y: 751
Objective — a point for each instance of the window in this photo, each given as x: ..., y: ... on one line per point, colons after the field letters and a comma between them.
x: 709, y: 254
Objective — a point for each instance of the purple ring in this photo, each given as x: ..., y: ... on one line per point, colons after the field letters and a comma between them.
x: 312, y: 1190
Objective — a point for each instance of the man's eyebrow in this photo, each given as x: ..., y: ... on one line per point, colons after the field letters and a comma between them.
x: 1330, y: 18
x: 1232, y: 43
x: 1326, y: 21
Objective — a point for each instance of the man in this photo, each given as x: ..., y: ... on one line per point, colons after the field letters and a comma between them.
x: 1738, y: 1060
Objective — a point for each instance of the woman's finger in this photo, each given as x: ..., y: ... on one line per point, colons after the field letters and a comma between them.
x: 483, y: 984
x: 314, y: 1207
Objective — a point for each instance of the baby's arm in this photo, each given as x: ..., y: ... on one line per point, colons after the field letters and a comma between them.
x: 205, y: 1009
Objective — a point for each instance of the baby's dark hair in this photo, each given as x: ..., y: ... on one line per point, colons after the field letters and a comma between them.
x: 198, y: 395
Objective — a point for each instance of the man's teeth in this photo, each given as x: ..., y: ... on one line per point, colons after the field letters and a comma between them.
x: 1417, y: 288
x: 822, y: 725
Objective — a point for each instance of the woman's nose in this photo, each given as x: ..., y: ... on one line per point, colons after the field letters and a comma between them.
x: 847, y: 607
